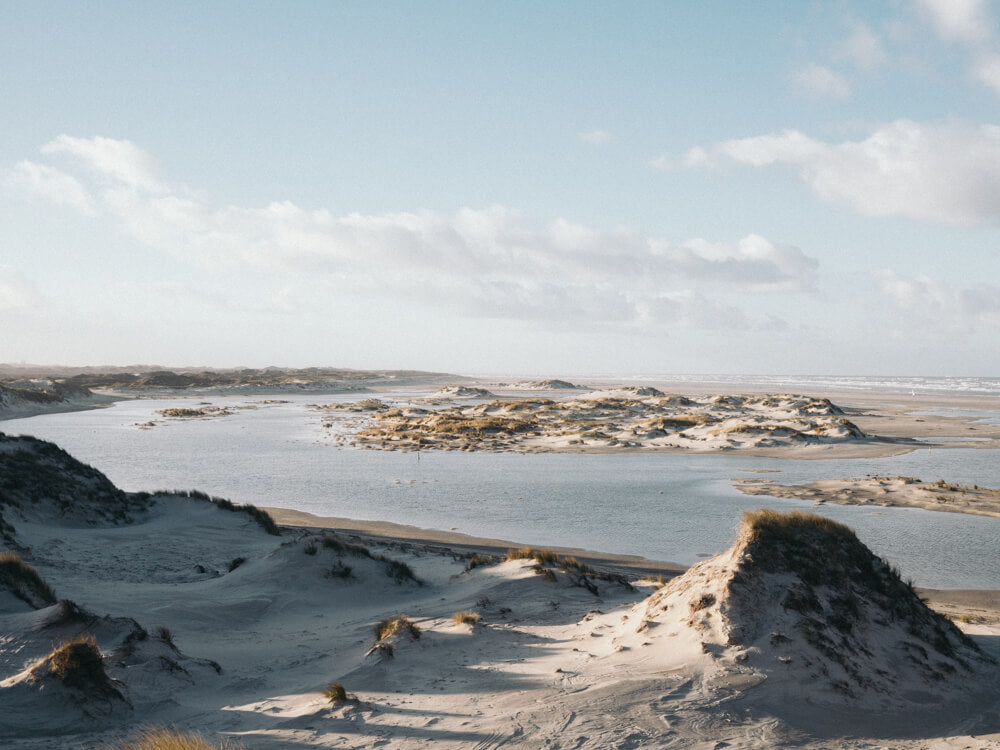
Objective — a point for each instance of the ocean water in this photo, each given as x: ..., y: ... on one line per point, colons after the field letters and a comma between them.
x: 887, y: 384
x: 671, y: 507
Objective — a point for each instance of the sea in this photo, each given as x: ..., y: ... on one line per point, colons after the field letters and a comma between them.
x: 274, y: 451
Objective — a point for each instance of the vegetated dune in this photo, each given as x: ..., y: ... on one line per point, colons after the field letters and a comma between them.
x: 27, y: 390
x: 45, y: 397
x: 548, y: 384
x: 191, y: 612
x: 908, y: 492
x: 620, y: 419
x: 461, y: 391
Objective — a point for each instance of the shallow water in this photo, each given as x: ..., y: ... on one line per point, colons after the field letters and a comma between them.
x: 673, y: 507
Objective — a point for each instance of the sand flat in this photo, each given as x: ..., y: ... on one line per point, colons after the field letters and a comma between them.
x: 899, y: 491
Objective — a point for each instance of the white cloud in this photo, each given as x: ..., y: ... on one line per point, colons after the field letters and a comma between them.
x: 863, y: 48
x: 50, y: 184
x: 966, y: 21
x: 818, y: 82
x: 941, y: 305
x: 17, y: 293
x: 486, y: 262
x: 987, y: 71
x: 120, y: 160
x: 595, y: 137
x: 945, y: 172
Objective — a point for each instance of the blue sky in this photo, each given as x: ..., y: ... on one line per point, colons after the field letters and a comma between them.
x: 521, y: 188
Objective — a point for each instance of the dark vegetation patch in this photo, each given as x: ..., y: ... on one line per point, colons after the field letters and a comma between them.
x: 840, y: 588
x: 35, y: 474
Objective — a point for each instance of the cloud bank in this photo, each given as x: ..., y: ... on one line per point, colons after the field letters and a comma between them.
x: 489, y: 262
x: 942, y: 305
x: 945, y: 172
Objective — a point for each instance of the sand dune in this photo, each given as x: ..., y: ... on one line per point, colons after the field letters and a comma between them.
x: 626, y: 418
x: 204, y: 620
x: 899, y: 491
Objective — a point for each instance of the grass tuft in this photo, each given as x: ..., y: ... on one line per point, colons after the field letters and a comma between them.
x: 466, y: 618
x: 335, y: 693
x: 169, y: 739
x: 540, y: 556
x: 23, y: 581
x: 396, y: 625
x: 77, y: 663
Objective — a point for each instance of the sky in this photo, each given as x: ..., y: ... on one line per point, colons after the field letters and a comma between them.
x: 557, y: 188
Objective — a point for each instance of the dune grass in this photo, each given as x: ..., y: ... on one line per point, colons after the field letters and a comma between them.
x: 397, y: 570
x: 23, y: 581
x: 169, y: 739
x: 77, y: 663
x: 395, y: 625
x: 540, y: 556
x: 335, y: 693
x: 466, y: 618
x: 261, y: 517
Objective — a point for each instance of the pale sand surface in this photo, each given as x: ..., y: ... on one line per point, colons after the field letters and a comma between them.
x: 564, y: 664
x: 631, y: 419
x: 549, y: 665
x: 907, y: 492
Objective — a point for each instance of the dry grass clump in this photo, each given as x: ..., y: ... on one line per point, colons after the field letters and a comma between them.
x: 169, y: 739
x: 547, y: 573
x: 540, y: 556
x: 579, y: 573
x: 396, y: 625
x: 23, y: 581
x: 477, y: 561
x: 335, y: 693
x: 702, y: 602
x: 77, y: 663
x: 466, y: 618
